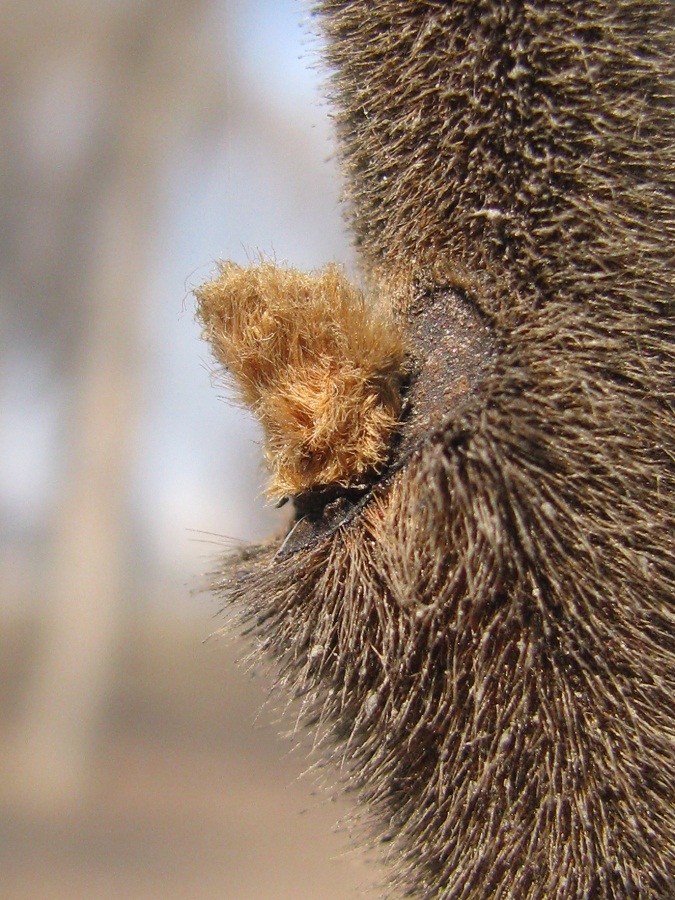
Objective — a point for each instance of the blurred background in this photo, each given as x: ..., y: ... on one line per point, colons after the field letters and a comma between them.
x: 141, y: 141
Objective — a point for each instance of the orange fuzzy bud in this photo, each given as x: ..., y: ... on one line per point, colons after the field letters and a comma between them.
x: 319, y: 367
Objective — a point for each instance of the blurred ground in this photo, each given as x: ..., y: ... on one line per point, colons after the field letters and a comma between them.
x: 188, y: 797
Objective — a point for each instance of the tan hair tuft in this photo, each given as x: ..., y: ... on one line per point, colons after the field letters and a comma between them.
x: 320, y: 368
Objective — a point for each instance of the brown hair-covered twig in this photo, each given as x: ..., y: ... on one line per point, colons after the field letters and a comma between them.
x: 486, y: 626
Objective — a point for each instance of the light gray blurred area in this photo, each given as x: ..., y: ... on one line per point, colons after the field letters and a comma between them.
x: 142, y: 140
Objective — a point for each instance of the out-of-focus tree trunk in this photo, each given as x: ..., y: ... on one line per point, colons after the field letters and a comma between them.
x: 83, y: 600
x: 82, y: 607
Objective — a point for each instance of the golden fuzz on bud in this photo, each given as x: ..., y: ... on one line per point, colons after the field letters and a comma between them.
x: 319, y: 367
